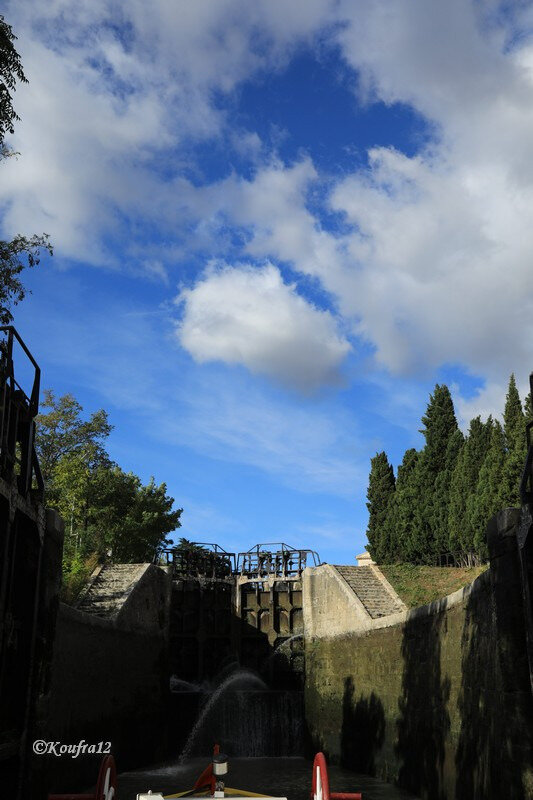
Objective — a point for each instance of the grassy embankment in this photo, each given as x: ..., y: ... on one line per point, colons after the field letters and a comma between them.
x: 418, y: 585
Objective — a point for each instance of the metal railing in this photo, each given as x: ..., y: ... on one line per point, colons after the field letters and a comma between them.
x: 17, y: 417
x: 206, y: 559
x: 201, y: 559
x: 275, y: 558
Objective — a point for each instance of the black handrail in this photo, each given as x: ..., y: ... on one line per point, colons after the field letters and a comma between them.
x: 17, y: 417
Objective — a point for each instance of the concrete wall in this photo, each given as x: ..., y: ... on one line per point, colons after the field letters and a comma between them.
x: 110, y: 683
x: 436, y: 699
x: 146, y: 607
x: 331, y: 607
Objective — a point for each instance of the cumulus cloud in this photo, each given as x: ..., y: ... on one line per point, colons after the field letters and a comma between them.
x: 114, y: 90
x: 436, y: 267
x: 247, y: 315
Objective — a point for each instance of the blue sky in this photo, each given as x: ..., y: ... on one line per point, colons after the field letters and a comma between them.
x: 276, y: 227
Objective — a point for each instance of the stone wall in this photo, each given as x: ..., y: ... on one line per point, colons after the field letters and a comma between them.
x: 436, y: 699
x: 110, y: 683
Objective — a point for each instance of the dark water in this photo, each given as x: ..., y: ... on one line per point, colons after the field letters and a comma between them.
x: 280, y: 777
x: 261, y: 730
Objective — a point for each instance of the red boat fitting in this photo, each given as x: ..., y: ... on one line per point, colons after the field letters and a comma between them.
x: 106, y: 786
x: 320, y: 784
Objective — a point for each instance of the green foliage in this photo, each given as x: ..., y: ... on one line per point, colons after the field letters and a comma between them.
x: 10, y: 71
x: 189, y: 547
x: 443, y: 489
x: 14, y: 256
x: 63, y: 434
x: 381, y: 486
x: 22, y: 251
x: 76, y: 573
x: 108, y: 513
x: 127, y: 519
x: 463, y: 485
x: 403, y: 509
x: 514, y: 428
x: 528, y: 408
x: 489, y: 496
x: 445, y: 495
x: 440, y: 425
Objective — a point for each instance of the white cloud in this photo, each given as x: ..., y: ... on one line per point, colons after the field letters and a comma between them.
x: 180, y: 407
x: 248, y: 315
x: 114, y: 89
x: 438, y: 266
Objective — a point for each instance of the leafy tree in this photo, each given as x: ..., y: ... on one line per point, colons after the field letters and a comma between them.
x: 105, y: 509
x: 21, y: 251
x: 381, y: 486
x: 127, y: 519
x: 189, y: 547
x: 10, y: 71
x: 63, y: 434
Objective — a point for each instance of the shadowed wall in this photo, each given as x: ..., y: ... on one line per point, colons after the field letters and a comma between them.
x: 439, y: 701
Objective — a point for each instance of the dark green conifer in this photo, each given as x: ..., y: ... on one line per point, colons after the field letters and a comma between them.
x: 381, y: 487
x: 442, y: 492
x: 403, y: 508
x: 463, y: 485
x: 514, y: 427
x: 489, y: 496
x: 528, y: 408
x: 439, y: 426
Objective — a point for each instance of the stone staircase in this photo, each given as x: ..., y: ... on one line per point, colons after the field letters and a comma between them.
x: 374, y: 592
x: 108, y: 588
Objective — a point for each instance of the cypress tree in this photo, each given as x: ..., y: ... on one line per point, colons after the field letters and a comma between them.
x: 489, y: 497
x: 443, y: 483
x: 514, y: 426
x: 401, y: 515
x: 463, y: 485
x: 528, y: 408
x: 381, y: 487
x: 528, y: 416
x: 439, y: 426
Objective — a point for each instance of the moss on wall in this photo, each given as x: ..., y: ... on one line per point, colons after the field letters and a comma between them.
x: 439, y: 704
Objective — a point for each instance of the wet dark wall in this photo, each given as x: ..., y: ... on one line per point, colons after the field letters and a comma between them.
x: 440, y: 704
x: 110, y: 684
